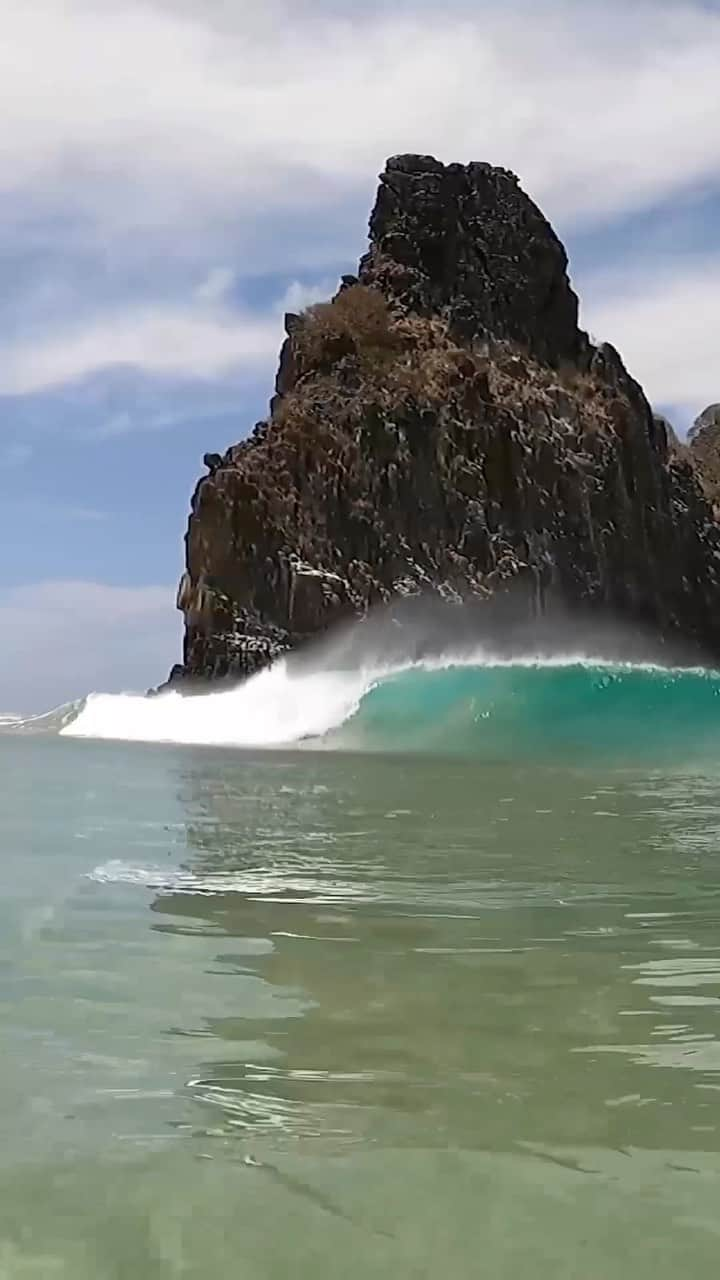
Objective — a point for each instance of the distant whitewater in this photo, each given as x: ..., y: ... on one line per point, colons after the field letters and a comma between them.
x: 475, y: 705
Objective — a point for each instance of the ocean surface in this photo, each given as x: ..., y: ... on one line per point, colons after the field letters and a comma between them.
x: 399, y: 974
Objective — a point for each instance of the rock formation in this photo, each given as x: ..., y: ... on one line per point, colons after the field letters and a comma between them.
x: 443, y: 427
x: 704, y: 451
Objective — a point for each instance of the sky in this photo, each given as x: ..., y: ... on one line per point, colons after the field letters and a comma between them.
x: 174, y: 174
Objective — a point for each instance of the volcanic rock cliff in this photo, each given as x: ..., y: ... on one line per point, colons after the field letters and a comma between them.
x: 443, y: 427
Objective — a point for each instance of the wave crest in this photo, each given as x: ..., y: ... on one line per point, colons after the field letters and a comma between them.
x: 470, y: 706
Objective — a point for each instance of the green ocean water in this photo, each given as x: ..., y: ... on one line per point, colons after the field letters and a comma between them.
x: 441, y: 1000
x: 605, y: 711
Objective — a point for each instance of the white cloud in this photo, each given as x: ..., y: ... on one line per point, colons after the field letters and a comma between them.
x: 195, y: 341
x: 217, y: 284
x: 666, y: 325
x: 145, y: 113
x: 153, y: 126
x: 64, y: 639
x: 297, y: 296
x: 204, y: 338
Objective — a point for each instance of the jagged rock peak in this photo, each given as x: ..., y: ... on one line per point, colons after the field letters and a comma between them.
x: 706, y: 422
x: 704, y: 450
x: 467, y: 242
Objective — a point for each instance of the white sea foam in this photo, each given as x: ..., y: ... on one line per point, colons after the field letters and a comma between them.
x: 282, y: 883
x: 274, y: 708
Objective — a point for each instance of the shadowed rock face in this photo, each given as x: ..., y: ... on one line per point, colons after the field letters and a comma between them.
x: 443, y: 428
x: 704, y: 450
x: 465, y: 241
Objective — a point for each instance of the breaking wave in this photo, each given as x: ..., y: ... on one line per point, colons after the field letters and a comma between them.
x: 479, y: 706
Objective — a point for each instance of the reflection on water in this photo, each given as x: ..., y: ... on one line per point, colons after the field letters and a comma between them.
x: 391, y: 1004
x: 447, y: 959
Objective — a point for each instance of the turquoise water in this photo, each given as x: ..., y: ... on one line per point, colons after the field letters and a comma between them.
x: 604, y: 710
x: 397, y: 1012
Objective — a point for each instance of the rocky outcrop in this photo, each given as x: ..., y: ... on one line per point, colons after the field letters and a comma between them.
x: 704, y: 451
x: 465, y: 242
x: 443, y: 428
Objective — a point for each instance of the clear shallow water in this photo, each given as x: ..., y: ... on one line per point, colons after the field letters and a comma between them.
x: 316, y: 1014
